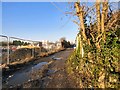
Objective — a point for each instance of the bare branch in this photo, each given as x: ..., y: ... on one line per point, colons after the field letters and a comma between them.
x: 76, y: 22
x: 92, y: 37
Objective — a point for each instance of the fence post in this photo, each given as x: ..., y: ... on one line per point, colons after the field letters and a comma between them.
x: 33, y: 51
x: 8, y: 51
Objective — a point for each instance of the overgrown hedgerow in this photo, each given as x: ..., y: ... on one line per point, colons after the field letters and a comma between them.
x: 98, y: 68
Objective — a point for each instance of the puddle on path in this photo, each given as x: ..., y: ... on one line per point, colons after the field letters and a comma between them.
x: 23, y: 75
x: 38, y: 66
x: 50, y: 72
x: 56, y: 58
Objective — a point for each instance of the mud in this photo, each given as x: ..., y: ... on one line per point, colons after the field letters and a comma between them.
x: 46, y: 72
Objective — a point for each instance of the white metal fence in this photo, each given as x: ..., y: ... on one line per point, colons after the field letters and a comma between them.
x: 15, y: 49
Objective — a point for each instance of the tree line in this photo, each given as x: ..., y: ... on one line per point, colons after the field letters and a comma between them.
x: 15, y: 42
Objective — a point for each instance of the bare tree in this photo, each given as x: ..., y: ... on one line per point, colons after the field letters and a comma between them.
x: 80, y: 14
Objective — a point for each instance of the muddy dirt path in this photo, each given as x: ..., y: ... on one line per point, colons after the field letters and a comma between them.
x: 47, y: 72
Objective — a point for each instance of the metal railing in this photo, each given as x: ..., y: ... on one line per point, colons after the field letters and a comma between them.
x: 19, y: 50
x: 16, y: 49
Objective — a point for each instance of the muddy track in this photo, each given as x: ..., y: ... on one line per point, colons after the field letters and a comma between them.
x: 50, y: 75
x: 53, y: 76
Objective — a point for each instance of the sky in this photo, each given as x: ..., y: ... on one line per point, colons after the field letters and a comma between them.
x: 38, y: 21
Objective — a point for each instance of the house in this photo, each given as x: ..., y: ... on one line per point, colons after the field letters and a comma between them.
x: 58, y: 45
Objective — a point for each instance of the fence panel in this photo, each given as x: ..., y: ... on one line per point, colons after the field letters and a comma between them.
x: 16, y: 50
x: 20, y: 49
x: 4, y: 49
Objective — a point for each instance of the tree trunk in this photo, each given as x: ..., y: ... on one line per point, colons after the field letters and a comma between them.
x: 79, y: 46
x: 79, y: 11
x: 104, y: 16
x: 98, y: 16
